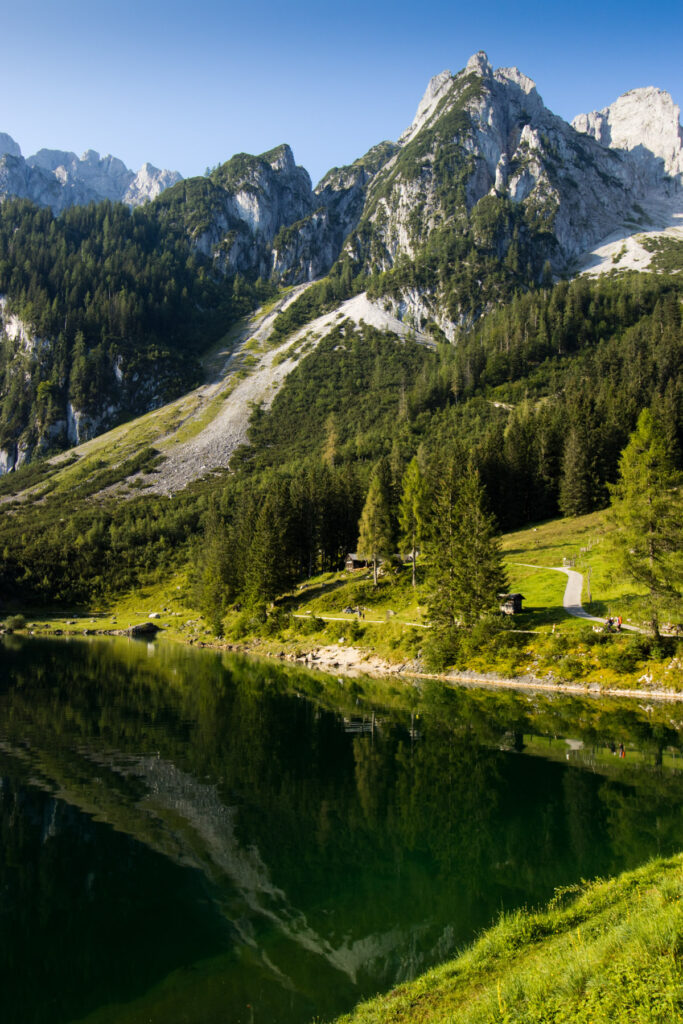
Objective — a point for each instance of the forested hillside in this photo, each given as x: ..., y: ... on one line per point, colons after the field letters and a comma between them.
x: 117, y: 308
x: 537, y: 403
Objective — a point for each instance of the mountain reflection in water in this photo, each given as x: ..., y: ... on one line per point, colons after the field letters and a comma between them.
x: 189, y: 836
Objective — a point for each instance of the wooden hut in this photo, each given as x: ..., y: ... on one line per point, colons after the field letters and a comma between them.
x: 354, y: 561
x: 511, y: 604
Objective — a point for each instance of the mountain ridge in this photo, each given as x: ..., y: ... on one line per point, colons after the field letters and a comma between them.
x: 486, y: 193
x: 59, y: 178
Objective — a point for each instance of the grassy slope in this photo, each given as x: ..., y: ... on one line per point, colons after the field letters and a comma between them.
x: 611, y: 954
x: 603, y: 953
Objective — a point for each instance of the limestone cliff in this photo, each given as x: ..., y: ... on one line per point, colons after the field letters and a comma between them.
x: 644, y: 125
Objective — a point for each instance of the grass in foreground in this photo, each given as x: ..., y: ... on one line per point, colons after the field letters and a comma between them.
x: 609, y: 951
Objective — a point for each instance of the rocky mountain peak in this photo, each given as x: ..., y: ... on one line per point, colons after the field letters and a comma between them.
x: 59, y: 178
x: 511, y: 79
x: 8, y: 145
x: 281, y: 158
x: 644, y: 122
x: 513, y: 76
x: 479, y: 64
x: 435, y: 91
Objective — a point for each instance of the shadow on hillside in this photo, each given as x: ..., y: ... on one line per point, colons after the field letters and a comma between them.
x: 545, y: 615
x: 528, y: 553
x: 310, y: 593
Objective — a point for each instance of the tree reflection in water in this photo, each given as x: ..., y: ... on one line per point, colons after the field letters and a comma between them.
x: 185, y: 832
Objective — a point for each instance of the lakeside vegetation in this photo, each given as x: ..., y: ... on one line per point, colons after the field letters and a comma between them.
x: 543, y: 641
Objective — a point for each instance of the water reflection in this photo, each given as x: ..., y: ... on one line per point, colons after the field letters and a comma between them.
x: 189, y: 837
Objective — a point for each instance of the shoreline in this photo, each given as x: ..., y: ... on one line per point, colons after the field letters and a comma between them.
x: 355, y: 661
x: 336, y: 659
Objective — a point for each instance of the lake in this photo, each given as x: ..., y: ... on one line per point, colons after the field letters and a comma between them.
x: 189, y: 836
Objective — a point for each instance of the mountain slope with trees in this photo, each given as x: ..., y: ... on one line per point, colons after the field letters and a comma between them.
x: 518, y: 404
x: 484, y: 197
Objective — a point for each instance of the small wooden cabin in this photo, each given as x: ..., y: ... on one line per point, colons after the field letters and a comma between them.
x: 511, y: 604
x: 354, y: 561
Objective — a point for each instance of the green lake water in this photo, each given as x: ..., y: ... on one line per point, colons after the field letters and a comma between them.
x: 193, y: 837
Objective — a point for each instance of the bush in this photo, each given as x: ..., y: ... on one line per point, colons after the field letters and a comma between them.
x: 311, y: 624
x: 354, y: 630
x: 442, y: 648
x: 250, y: 621
x: 622, y: 657
x: 15, y: 622
x: 277, y: 622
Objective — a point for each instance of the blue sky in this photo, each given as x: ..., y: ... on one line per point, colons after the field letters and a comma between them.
x: 188, y: 84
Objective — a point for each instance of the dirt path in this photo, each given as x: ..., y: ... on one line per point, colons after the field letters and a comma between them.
x: 571, y: 600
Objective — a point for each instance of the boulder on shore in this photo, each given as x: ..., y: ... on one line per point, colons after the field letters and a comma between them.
x: 142, y: 629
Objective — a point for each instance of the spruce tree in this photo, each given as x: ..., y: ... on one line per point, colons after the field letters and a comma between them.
x: 647, y: 510
x: 212, y: 570
x: 411, y: 510
x: 466, y: 561
x: 375, y: 537
x: 578, y: 484
x: 264, y: 573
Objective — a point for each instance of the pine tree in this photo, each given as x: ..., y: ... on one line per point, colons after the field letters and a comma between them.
x: 466, y: 568
x: 411, y: 511
x: 647, y: 509
x: 375, y: 539
x: 212, y: 572
x: 578, y: 484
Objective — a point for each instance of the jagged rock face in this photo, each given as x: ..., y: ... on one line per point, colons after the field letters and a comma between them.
x: 17, y: 178
x: 476, y: 134
x: 308, y: 249
x: 148, y: 183
x: 60, y: 179
x: 62, y: 420
x: 8, y: 145
x: 645, y: 123
x: 266, y: 219
x: 487, y: 133
x: 250, y: 199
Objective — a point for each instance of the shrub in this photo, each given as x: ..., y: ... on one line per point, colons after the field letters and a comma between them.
x: 278, y: 621
x: 311, y: 624
x: 15, y: 622
x: 355, y: 631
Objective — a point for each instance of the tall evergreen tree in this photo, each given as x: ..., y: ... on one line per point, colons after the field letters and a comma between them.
x: 466, y: 562
x: 212, y: 590
x: 578, y: 484
x: 647, y: 509
x: 375, y: 537
x: 264, y: 573
x: 411, y: 513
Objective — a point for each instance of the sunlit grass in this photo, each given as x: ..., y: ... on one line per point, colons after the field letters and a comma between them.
x: 609, y: 953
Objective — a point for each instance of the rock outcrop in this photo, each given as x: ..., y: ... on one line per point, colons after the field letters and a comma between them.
x: 645, y: 125
x: 265, y: 218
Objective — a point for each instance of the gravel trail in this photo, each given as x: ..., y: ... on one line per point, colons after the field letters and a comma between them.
x: 571, y: 600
